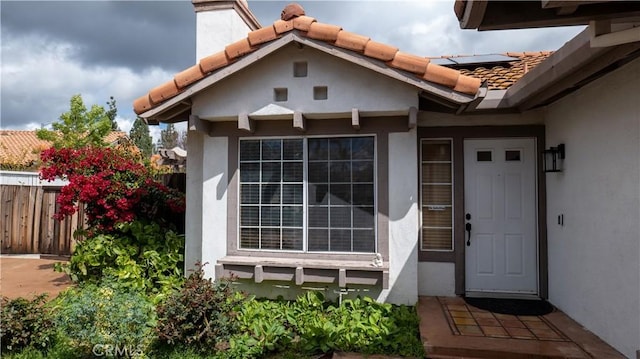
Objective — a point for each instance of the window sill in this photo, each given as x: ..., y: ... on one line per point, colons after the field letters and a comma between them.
x: 302, y: 271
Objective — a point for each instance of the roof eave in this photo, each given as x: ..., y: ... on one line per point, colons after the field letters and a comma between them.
x: 502, y: 15
x: 177, y: 108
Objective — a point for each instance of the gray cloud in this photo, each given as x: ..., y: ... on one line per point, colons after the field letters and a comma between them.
x: 135, y: 34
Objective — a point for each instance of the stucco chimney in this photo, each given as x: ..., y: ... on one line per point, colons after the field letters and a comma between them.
x: 220, y: 23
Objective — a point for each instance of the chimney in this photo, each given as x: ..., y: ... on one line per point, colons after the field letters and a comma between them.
x: 220, y: 23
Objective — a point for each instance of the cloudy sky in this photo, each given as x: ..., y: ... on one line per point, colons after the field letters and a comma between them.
x: 52, y: 50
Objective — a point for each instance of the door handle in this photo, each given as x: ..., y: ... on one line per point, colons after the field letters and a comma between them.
x: 467, y: 228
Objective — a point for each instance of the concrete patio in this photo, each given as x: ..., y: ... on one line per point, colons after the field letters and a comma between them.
x: 29, y: 275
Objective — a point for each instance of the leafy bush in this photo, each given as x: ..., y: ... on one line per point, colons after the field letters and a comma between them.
x: 201, y: 315
x: 25, y: 323
x: 266, y: 327
x: 115, y: 187
x: 311, y: 325
x: 141, y: 255
x: 105, y: 315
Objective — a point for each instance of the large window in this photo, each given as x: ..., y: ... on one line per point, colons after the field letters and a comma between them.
x: 437, y: 195
x: 337, y: 214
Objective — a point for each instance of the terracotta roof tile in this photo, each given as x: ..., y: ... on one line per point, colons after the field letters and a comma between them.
x: 262, y: 35
x: 380, y: 51
x: 503, y: 76
x: 303, y: 23
x: 189, y: 76
x: 441, y: 75
x: 408, y: 62
x: 163, y: 92
x: 324, y: 32
x: 350, y: 41
x: 293, y: 18
x: 23, y: 147
x: 238, y: 48
x: 214, y: 62
x: 282, y: 26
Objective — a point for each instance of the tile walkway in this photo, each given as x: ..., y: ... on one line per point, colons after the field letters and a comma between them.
x: 450, y: 328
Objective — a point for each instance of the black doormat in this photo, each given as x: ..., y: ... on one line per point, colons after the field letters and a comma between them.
x: 511, y: 306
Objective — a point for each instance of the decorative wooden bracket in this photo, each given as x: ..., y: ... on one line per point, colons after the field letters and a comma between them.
x: 245, y: 123
x: 355, y: 118
x: 299, y: 121
x: 413, y: 117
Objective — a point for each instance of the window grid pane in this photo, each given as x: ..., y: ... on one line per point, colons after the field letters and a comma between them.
x: 340, y: 193
x: 271, y: 188
x: 437, y: 195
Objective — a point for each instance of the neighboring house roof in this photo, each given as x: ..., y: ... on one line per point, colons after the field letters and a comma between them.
x: 20, y: 147
x: 294, y: 21
x: 502, y: 75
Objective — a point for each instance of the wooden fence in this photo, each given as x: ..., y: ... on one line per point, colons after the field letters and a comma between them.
x: 27, y: 224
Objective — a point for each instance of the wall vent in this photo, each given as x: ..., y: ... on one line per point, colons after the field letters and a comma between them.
x: 320, y: 92
x: 280, y: 94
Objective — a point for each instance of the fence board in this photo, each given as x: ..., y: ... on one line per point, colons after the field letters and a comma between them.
x: 16, y: 240
x: 7, y: 208
x: 27, y: 224
x: 37, y: 218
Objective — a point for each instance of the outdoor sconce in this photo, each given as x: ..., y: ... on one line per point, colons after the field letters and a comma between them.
x: 552, y: 157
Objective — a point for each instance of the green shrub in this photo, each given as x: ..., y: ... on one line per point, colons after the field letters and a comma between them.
x: 201, y: 315
x: 25, y: 323
x: 105, y: 316
x: 311, y: 325
x: 266, y: 327
x: 140, y: 255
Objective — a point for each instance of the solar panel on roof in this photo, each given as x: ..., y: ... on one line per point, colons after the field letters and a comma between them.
x: 442, y: 61
x: 482, y: 59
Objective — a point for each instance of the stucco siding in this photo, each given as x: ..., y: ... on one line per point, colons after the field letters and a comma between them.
x: 403, y: 219
x: 436, y: 279
x: 227, y: 26
x: 594, y: 258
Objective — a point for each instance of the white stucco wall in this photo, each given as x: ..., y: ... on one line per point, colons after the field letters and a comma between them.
x: 206, y: 216
x: 403, y: 219
x: 217, y: 29
x: 437, y: 279
x: 594, y: 259
x: 349, y: 86
x: 214, y: 198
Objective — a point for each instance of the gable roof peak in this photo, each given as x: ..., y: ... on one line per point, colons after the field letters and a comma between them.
x: 306, y: 28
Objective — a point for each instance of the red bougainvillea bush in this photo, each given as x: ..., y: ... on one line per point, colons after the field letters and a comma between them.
x: 114, y: 186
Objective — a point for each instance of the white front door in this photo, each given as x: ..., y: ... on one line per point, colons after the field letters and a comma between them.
x: 500, y: 216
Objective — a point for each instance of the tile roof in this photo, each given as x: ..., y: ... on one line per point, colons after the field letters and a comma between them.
x: 502, y: 76
x: 24, y: 147
x: 293, y: 18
